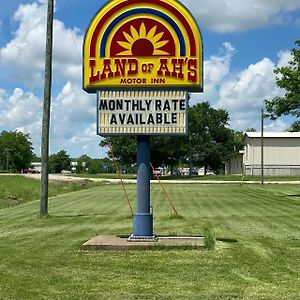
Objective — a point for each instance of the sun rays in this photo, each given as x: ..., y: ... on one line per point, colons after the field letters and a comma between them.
x: 143, y: 43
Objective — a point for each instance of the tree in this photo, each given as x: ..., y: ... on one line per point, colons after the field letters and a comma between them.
x: 289, y: 80
x: 294, y: 127
x: 84, y: 161
x: 59, y: 161
x: 237, y: 140
x: 168, y: 150
x: 15, y: 151
x: 124, y: 148
x: 251, y: 129
x: 97, y: 166
x: 164, y: 150
x: 210, y: 137
x: 107, y: 166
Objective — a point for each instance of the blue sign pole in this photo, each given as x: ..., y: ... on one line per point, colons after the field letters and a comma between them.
x: 143, y: 219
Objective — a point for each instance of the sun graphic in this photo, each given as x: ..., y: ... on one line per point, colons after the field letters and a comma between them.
x: 143, y: 43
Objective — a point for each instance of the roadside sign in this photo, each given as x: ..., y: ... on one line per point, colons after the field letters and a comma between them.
x: 142, y: 58
x: 133, y: 44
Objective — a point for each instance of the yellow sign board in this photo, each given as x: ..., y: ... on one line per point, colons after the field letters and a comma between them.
x: 149, y: 44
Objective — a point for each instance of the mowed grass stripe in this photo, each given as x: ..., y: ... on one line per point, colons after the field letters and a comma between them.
x: 159, y: 202
x: 99, y: 201
x: 253, y: 204
x: 269, y: 204
x: 192, y: 201
x: 286, y: 227
x: 266, y: 207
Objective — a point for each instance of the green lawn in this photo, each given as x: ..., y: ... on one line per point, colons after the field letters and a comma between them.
x: 15, y: 190
x: 41, y: 258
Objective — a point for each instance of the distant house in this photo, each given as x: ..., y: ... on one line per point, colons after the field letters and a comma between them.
x: 281, y: 154
x: 37, y: 167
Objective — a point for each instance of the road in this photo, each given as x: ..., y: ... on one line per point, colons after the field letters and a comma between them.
x: 59, y: 177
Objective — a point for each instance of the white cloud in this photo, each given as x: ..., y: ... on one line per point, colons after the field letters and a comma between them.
x: 19, y: 110
x: 276, y: 126
x: 72, y: 108
x: 243, y: 95
x: 2, y: 94
x: 73, y: 119
x: 284, y: 58
x: 216, y: 69
x: 73, y: 122
x: 26, y: 51
x: 88, y: 141
x: 218, y: 66
x: 87, y: 136
x: 239, y: 15
x: 23, y: 112
x: 250, y: 87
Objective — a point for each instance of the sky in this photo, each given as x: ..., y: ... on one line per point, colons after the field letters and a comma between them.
x: 243, y: 42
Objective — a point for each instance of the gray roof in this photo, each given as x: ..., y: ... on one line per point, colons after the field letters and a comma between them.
x: 273, y: 134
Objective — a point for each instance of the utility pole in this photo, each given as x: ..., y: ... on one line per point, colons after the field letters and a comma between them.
x: 46, y: 113
x: 262, y: 146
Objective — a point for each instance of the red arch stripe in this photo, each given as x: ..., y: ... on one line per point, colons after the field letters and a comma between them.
x: 118, y: 7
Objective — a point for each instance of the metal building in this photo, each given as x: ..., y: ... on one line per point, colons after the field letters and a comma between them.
x: 281, y: 154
